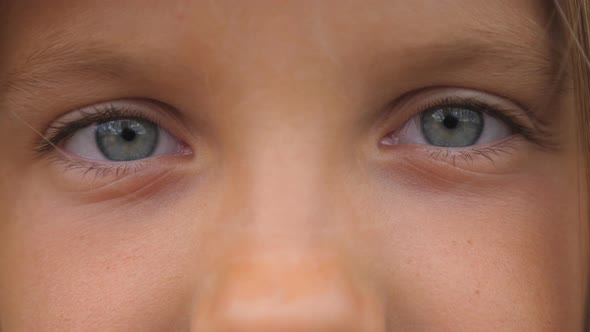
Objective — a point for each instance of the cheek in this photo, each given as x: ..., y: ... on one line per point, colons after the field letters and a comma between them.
x: 89, y: 268
x: 61, y: 279
x: 474, y: 253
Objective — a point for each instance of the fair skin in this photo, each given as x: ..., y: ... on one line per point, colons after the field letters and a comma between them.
x: 295, y: 202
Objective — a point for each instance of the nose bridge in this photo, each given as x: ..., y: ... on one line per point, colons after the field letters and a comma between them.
x: 258, y: 291
x: 282, y: 177
x: 288, y: 188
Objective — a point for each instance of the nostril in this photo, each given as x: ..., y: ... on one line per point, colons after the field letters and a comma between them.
x: 301, y: 297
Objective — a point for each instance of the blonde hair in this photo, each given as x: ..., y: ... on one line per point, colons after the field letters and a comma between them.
x: 576, y: 15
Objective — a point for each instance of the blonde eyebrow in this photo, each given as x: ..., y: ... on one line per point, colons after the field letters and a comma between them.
x: 59, y: 58
x: 45, y: 66
x: 529, y: 45
x: 506, y: 56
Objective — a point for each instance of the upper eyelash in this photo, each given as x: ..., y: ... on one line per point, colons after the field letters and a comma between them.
x: 63, y: 130
x: 510, y: 117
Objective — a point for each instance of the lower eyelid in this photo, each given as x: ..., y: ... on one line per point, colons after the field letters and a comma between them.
x: 496, y: 157
x: 91, y: 174
x: 103, y: 182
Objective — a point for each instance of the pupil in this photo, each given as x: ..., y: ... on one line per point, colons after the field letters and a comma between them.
x: 128, y: 134
x: 451, y: 122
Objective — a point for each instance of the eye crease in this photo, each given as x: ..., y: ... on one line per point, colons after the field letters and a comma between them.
x: 462, y: 122
x: 113, y: 133
x: 121, y: 133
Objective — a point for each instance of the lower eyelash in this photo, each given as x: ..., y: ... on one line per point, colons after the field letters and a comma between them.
x: 98, y: 170
x: 469, y: 156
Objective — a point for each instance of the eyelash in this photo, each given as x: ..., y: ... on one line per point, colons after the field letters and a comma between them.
x: 508, y: 116
x: 63, y: 130
x: 523, y: 130
x: 100, y: 170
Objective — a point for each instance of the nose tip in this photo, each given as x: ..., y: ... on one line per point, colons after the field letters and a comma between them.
x: 273, y: 295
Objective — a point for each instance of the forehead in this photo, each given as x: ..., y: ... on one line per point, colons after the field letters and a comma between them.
x: 256, y: 30
x: 269, y: 20
x: 266, y: 39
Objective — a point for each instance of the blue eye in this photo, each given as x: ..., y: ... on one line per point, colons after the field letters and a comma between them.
x: 451, y: 127
x: 127, y: 139
x: 121, y: 140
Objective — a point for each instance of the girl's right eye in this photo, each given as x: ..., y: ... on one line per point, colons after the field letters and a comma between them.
x: 121, y: 140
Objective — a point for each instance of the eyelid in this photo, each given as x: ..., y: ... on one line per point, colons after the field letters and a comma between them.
x: 67, y: 125
x: 449, y: 97
x: 513, y: 114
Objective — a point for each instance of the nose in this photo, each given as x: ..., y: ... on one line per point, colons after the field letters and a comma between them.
x: 282, y: 292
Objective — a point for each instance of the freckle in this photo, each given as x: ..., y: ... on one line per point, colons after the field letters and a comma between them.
x: 477, y: 292
x: 470, y: 242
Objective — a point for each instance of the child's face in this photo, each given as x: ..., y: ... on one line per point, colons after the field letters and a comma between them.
x: 316, y: 166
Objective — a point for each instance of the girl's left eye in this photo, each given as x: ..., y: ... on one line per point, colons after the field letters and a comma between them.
x: 121, y: 140
x: 450, y: 127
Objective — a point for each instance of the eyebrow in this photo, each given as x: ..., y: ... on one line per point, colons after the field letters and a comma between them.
x: 530, y: 56
x: 49, y: 66
x: 542, y: 63
x: 42, y: 68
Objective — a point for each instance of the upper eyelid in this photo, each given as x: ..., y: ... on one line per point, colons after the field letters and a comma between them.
x: 414, y: 102
x: 523, y: 120
x: 509, y: 116
x: 409, y: 101
x: 62, y: 129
